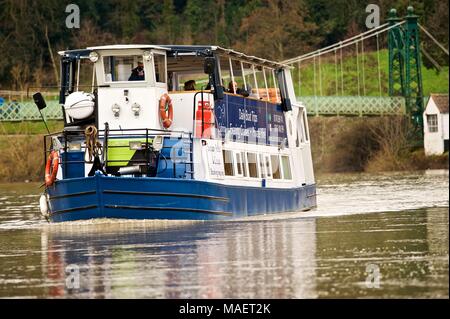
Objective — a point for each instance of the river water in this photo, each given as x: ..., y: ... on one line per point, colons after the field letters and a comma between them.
x: 372, y: 236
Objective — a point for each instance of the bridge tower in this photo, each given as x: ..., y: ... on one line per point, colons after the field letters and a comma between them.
x: 405, y: 65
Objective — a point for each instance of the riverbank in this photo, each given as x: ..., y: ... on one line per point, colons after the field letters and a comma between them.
x: 339, y: 144
x: 368, y: 144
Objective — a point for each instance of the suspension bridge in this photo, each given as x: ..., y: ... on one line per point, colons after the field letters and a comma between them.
x: 376, y: 72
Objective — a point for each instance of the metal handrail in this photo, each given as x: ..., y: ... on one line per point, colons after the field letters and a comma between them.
x: 107, y: 135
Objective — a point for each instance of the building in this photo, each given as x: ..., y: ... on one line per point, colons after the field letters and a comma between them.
x: 435, y: 120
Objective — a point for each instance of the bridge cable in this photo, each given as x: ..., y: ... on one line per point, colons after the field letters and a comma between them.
x: 310, y: 54
x: 363, y: 67
x: 433, y: 38
x: 344, y: 43
x: 336, y: 71
x: 379, y: 67
x: 357, y: 68
x: 314, y: 74
x: 320, y: 78
x: 342, y: 73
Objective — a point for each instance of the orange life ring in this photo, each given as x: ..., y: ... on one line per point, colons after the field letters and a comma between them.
x: 51, y: 169
x: 166, y: 110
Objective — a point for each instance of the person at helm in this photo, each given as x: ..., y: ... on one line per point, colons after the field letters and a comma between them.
x: 137, y: 74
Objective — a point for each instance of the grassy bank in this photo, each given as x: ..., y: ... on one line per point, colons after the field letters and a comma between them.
x: 354, y: 144
x: 339, y: 144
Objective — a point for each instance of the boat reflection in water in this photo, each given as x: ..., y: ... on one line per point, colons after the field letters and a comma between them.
x: 158, y: 259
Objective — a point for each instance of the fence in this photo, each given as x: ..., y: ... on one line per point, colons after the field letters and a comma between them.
x: 18, y: 106
x: 353, y: 105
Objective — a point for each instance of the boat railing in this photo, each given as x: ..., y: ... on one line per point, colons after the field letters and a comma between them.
x: 119, y: 141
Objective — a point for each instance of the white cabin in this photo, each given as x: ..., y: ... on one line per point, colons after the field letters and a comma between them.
x: 436, y: 125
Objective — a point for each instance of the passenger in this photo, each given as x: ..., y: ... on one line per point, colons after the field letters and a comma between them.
x: 233, y: 88
x: 137, y: 74
x: 189, y: 85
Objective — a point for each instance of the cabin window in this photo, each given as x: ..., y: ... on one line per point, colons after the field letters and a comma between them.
x: 262, y: 83
x: 432, y: 122
x: 305, y: 125
x: 237, y: 77
x: 239, y: 164
x: 192, y: 81
x: 228, y: 162
x: 123, y: 68
x: 300, y: 129
x: 268, y: 166
x: 160, y: 67
x: 85, y: 76
x: 276, y: 170
x: 225, y: 73
x: 249, y: 80
x: 274, y: 91
x: 244, y: 163
x: 286, y: 167
x: 262, y: 167
x: 252, y: 165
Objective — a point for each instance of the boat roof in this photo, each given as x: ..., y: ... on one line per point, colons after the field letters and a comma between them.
x: 175, y: 50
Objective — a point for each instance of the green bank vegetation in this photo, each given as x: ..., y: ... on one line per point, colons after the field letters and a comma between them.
x: 374, y: 144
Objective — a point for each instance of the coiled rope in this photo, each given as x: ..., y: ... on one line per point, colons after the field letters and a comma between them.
x: 93, y: 146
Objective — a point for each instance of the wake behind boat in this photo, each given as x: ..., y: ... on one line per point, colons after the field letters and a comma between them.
x: 176, y: 132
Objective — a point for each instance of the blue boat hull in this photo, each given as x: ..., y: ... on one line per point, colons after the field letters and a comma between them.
x: 164, y: 198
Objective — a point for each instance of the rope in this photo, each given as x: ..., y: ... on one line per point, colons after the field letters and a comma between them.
x: 335, y: 71
x: 432, y: 38
x: 93, y: 146
x: 379, y: 67
x: 342, y: 74
x: 320, y: 78
x: 363, y: 58
x: 314, y: 74
x: 357, y: 68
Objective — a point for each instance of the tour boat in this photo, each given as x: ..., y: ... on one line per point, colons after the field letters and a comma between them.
x: 176, y: 132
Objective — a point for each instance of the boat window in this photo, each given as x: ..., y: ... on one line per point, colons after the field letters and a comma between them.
x: 237, y: 77
x: 239, y: 164
x: 276, y: 170
x: 249, y: 80
x: 262, y: 83
x: 225, y: 74
x: 268, y: 166
x: 244, y: 163
x: 305, y: 125
x: 160, y: 67
x: 123, y: 68
x: 274, y: 91
x: 85, y: 76
x: 228, y: 162
x: 286, y: 166
x: 252, y: 165
x: 262, y: 167
x: 200, y: 81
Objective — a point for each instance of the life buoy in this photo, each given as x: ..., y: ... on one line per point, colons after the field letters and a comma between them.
x: 166, y: 110
x: 51, y: 168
